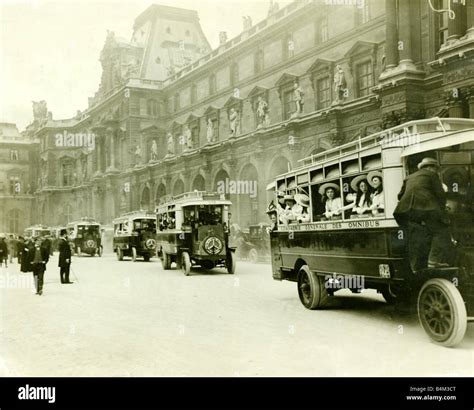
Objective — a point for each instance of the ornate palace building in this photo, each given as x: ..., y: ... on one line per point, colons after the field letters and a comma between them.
x: 173, y: 115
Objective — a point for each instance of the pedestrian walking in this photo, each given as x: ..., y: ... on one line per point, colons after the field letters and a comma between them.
x: 38, y: 257
x: 27, y: 247
x: 64, y: 262
x: 3, y: 252
x: 20, y: 244
x: 422, y: 209
x: 11, y: 245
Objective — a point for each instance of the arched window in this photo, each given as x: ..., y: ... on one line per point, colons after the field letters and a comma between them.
x: 152, y: 108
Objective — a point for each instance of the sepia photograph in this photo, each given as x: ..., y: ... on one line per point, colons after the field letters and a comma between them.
x: 237, y: 188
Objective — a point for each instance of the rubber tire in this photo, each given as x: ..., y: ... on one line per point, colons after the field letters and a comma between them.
x: 230, y: 262
x: 146, y: 257
x: 134, y: 254
x: 318, y: 294
x: 99, y: 251
x: 165, y: 260
x: 78, y: 250
x: 457, y: 309
x: 119, y: 254
x: 186, y: 263
x: 253, y: 255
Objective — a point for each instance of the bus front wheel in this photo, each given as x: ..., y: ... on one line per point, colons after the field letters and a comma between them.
x: 442, y: 312
x: 311, y: 289
x: 165, y: 260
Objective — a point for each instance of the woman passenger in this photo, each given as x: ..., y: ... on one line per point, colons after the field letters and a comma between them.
x: 332, y: 200
x: 378, y: 204
x: 361, y: 200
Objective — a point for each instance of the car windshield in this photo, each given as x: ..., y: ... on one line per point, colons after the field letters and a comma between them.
x: 88, y: 229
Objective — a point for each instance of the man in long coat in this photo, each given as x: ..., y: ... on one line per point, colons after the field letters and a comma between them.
x: 64, y: 262
x: 422, y: 209
x: 38, y: 256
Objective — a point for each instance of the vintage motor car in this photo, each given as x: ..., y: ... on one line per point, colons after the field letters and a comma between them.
x: 134, y: 235
x: 338, y: 240
x: 193, y: 230
x: 38, y: 230
x: 85, y: 236
x: 254, y: 243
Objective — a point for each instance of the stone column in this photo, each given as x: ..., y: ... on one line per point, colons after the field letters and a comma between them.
x: 391, y: 34
x: 404, y: 21
x: 456, y: 25
x: 469, y: 93
x: 111, y: 149
x: 470, y: 18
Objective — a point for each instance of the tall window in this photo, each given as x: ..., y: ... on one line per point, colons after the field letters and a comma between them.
x: 365, y: 79
x: 288, y: 104
x: 13, y: 218
x: 15, y: 186
x: 259, y: 61
x: 363, y: 14
x: 442, y: 22
x: 212, y: 84
x: 152, y: 108
x: 324, y: 93
x: 323, y: 29
x: 67, y: 173
x: 14, y: 155
x: 68, y: 213
x: 176, y: 102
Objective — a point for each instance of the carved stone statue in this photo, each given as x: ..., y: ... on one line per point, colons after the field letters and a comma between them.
x: 154, y: 151
x: 138, y: 155
x: 262, y: 112
x: 188, y: 137
x: 222, y: 37
x: 273, y: 8
x: 170, y: 144
x: 234, y: 117
x: 339, y: 83
x: 210, y: 131
x: 298, y: 97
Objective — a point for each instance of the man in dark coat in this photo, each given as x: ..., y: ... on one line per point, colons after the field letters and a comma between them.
x: 422, y: 209
x: 20, y: 245
x: 28, y: 245
x: 38, y: 257
x: 64, y: 257
x: 3, y: 252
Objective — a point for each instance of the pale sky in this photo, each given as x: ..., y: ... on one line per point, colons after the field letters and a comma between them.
x: 49, y: 49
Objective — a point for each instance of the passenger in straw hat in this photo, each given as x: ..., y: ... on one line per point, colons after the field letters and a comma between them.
x: 272, y: 214
x: 287, y: 215
x: 374, y: 178
x: 333, y: 202
x: 300, y: 210
x: 422, y: 211
x: 361, y: 201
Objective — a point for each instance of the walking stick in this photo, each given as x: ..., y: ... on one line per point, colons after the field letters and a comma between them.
x: 74, y: 274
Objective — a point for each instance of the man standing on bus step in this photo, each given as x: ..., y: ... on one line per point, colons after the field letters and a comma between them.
x: 422, y: 209
x: 64, y: 257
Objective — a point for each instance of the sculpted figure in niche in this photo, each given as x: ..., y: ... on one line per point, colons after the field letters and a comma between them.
x: 210, y: 131
x: 234, y: 117
x: 170, y: 144
x: 188, y: 138
x: 298, y: 97
x: 339, y: 83
x: 262, y: 113
x: 154, y: 151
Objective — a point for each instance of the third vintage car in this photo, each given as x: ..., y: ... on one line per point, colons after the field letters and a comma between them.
x: 134, y: 235
x: 193, y: 229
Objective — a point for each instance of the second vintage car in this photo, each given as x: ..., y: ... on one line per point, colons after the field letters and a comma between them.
x: 85, y: 236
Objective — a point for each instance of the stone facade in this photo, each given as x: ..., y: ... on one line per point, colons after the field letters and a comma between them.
x: 174, y: 116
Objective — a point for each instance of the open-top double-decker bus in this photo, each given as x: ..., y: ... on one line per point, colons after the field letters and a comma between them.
x: 193, y: 229
x: 339, y: 241
x: 134, y: 235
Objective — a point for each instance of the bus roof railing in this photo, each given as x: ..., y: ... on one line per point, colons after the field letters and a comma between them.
x: 391, y: 135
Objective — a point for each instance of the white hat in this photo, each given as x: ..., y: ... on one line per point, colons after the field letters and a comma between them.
x: 371, y: 175
x: 356, y: 181
x: 327, y: 185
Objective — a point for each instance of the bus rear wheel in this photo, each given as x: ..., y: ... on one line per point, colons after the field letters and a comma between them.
x: 442, y: 312
x: 165, y: 260
x: 311, y: 289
